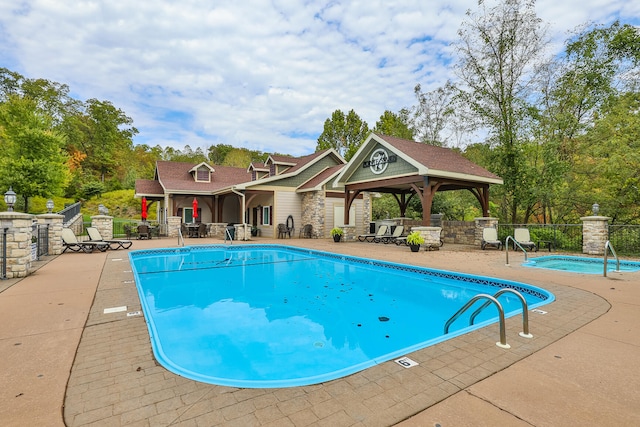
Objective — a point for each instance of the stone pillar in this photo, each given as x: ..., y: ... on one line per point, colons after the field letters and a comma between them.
x: 55, y: 231
x: 481, y: 223
x: 431, y: 235
x: 595, y: 233
x: 313, y: 206
x: 104, y: 224
x: 350, y: 233
x: 173, y: 226
x: 19, y: 227
x: 367, y: 207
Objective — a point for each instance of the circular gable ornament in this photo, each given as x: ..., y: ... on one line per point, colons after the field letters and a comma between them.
x: 379, y: 161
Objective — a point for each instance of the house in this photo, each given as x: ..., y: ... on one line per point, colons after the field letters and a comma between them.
x: 320, y: 189
x: 282, y: 190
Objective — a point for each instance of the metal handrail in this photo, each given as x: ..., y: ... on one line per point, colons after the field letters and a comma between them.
x: 515, y: 242
x: 180, y: 238
x: 609, y: 246
x: 525, y: 311
x: 227, y: 234
x: 503, y: 334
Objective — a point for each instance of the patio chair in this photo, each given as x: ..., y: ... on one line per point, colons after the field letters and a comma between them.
x: 306, y: 231
x: 144, y: 232
x: 521, y: 235
x: 71, y: 242
x: 202, y: 230
x: 490, y: 238
x: 382, y: 230
x: 397, y: 232
x: 114, y: 244
x: 128, y: 231
x: 283, y: 231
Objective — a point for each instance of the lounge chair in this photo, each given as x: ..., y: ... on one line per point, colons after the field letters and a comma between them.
x: 397, y: 233
x: 521, y: 235
x: 490, y: 238
x: 71, y: 242
x: 306, y: 231
x: 114, y: 244
x: 382, y: 230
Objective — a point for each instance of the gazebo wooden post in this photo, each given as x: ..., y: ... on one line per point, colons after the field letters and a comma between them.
x: 349, y: 197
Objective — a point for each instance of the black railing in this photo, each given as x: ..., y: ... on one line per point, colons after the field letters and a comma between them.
x: 565, y: 237
x: 3, y: 253
x: 40, y: 237
x: 625, y: 238
x: 70, y: 212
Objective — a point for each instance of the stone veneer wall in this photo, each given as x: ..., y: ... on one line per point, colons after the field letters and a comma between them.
x: 18, y: 242
x: 459, y: 232
x: 595, y: 233
x: 104, y: 224
x: 313, y: 207
x: 55, y: 231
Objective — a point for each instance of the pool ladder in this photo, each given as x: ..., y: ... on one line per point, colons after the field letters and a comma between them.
x: 493, y: 299
x: 609, y: 246
x: 515, y: 243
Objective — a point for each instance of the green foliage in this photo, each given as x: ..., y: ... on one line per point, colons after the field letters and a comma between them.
x: 343, y: 133
x: 415, y: 238
x: 31, y: 157
x: 38, y: 204
x: 393, y: 124
x: 336, y: 231
x: 120, y: 203
x: 91, y: 189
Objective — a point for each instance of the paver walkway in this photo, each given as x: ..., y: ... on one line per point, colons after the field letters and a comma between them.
x: 574, y: 370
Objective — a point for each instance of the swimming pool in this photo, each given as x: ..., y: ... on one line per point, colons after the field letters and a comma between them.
x: 276, y: 316
x: 575, y: 264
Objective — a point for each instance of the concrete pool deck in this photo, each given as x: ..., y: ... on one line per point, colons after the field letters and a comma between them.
x: 66, y: 362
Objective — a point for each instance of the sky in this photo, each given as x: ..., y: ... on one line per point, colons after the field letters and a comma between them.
x: 264, y: 75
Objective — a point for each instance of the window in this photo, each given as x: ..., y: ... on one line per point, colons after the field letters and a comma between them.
x: 202, y: 174
x: 266, y: 215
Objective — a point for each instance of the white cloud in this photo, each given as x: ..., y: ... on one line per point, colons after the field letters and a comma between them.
x: 263, y: 75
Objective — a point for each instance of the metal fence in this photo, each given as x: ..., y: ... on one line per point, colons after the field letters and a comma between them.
x: 625, y: 239
x: 70, y: 212
x: 3, y: 253
x: 565, y: 237
x: 40, y: 237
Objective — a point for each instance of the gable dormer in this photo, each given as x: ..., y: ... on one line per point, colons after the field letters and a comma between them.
x: 258, y: 170
x: 202, y: 172
x: 279, y: 164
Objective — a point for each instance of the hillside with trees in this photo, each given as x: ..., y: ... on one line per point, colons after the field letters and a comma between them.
x: 562, y: 131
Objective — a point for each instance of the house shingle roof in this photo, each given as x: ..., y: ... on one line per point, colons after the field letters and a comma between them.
x: 175, y: 177
x: 438, y: 158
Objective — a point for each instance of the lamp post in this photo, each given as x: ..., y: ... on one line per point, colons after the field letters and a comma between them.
x: 595, y: 208
x: 10, y: 199
x: 49, y: 206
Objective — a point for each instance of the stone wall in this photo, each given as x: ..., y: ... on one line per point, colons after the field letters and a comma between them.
x: 595, y: 233
x: 313, y: 206
x: 459, y: 232
x: 104, y: 224
x: 19, y: 227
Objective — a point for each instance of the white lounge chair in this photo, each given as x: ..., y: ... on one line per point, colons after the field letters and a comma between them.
x: 114, y: 244
x: 382, y: 230
x: 71, y: 242
x: 521, y: 235
x: 490, y: 238
x: 397, y: 232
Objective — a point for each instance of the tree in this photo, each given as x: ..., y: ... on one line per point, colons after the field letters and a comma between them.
x: 393, y: 124
x: 343, y: 133
x: 497, y: 51
x: 31, y: 151
x: 433, y: 114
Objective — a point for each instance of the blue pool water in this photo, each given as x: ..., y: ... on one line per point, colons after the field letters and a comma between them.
x: 574, y: 264
x: 277, y: 316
